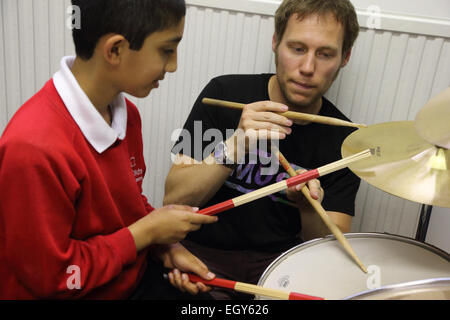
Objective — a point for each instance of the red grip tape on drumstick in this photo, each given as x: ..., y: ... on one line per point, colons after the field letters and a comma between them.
x: 229, y: 284
x: 229, y: 204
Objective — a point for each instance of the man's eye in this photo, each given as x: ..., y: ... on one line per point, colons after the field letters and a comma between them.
x: 325, y: 55
x: 298, y: 50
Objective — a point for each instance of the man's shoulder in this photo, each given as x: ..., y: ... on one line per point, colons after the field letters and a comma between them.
x: 330, y: 110
x: 243, y: 88
x: 239, y: 79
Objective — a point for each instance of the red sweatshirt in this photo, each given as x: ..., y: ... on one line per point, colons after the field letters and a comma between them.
x: 65, y: 208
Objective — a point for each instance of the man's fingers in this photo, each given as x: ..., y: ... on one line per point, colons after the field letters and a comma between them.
x: 267, y: 106
x: 272, y: 118
x: 314, y: 189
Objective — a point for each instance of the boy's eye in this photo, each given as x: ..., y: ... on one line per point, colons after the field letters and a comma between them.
x: 168, y: 51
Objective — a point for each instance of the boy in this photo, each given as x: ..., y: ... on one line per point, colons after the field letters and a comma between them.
x: 73, y: 220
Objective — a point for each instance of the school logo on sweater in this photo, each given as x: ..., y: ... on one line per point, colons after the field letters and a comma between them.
x: 138, y: 173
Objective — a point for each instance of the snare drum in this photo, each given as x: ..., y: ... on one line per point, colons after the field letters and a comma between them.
x: 434, y: 289
x: 321, y: 267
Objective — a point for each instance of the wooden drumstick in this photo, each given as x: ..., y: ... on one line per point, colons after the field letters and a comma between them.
x: 283, y: 185
x: 321, y: 211
x: 289, y: 114
x: 253, y: 289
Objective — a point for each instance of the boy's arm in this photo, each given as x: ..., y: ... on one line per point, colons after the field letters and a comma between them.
x: 38, y: 214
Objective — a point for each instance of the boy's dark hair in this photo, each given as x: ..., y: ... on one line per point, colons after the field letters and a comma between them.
x: 133, y: 19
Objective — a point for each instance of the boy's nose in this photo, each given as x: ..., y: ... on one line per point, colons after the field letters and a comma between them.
x: 172, y: 64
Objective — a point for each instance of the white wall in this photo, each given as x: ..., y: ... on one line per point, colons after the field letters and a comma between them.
x: 439, y: 228
x: 394, y: 71
x: 425, y: 8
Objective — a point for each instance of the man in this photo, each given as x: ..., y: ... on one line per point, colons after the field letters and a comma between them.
x: 312, y: 42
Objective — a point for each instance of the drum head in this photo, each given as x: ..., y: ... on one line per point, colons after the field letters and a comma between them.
x: 322, y: 267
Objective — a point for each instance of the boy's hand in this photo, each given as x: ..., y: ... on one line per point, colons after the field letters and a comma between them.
x: 167, y: 225
x: 180, y: 260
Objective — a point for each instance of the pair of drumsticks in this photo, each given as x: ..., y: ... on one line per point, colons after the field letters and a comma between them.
x: 295, y: 179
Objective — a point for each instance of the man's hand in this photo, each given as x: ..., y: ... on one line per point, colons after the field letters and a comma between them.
x: 180, y: 260
x: 315, y: 190
x: 259, y: 120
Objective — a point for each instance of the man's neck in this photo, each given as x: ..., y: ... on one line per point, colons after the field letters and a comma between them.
x: 94, y: 86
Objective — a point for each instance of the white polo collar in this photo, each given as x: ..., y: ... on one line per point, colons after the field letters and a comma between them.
x: 94, y: 128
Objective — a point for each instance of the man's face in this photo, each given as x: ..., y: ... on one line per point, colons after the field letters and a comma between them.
x: 308, y: 58
x: 142, y: 70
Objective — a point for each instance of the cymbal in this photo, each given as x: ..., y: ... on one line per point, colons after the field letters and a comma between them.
x: 404, y: 164
x: 433, y: 120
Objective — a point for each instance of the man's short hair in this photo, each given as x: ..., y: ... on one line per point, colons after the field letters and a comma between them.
x: 343, y: 11
x: 133, y: 19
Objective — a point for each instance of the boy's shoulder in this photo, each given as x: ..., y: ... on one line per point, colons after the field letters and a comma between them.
x: 41, y: 122
x: 133, y: 116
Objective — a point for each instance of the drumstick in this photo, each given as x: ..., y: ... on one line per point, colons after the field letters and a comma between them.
x: 253, y: 289
x: 322, y: 213
x: 282, y: 185
x: 289, y: 114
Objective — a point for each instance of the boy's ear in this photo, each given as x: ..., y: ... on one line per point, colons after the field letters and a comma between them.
x: 113, y: 48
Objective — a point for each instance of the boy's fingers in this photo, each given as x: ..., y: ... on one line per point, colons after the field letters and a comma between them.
x: 182, y: 208
x: 188, y: 286
x: 196, y: 218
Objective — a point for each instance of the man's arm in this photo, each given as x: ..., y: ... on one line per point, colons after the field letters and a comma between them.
x: 194, y: 183
x: 312, y: 224
x: 313, y: 227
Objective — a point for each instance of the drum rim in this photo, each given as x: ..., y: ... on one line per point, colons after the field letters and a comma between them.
x: 394, y: 287
x: 310, y: 243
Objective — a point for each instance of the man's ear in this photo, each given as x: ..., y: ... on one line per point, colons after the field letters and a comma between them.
x: 113, y: 48
x: 274, y: 42
x: 346, y: 58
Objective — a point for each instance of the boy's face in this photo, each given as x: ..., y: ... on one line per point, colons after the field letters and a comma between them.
x: 308, y: 58
x: 140, y: 71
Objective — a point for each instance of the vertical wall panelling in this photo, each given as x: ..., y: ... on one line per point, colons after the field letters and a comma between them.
x: 3, y: 93
x: 27, y: 40
x: 42, y: 42
x: 11, y: 58
x: 392, y: 73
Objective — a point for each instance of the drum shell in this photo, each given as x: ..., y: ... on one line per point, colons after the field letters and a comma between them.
x: 433, y: 289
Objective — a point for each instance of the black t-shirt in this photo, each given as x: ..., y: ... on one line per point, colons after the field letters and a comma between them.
x: 269, y: 223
